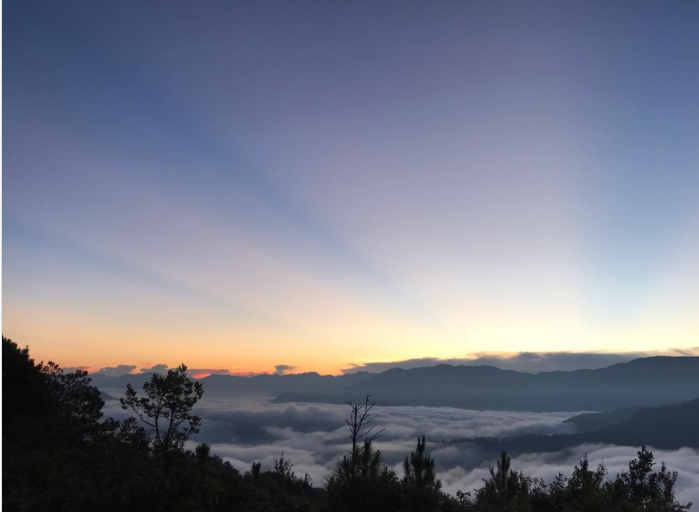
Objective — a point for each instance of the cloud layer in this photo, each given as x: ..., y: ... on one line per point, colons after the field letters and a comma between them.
x: 246, y: 429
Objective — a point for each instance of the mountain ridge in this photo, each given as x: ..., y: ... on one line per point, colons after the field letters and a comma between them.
x: 668, y: 427
x: 649, y: 381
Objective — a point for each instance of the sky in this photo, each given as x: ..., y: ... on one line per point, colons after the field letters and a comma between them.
x: 246, y: 185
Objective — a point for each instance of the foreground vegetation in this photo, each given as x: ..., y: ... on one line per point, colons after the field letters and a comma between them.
x: 60, y: 454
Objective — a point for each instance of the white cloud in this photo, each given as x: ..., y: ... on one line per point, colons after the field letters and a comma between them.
x: 313, y: 436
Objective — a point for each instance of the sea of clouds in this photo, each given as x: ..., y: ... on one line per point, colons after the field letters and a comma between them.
x: 313, y: 436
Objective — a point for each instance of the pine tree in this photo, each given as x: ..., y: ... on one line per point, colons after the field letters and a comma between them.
x: 419, y: 467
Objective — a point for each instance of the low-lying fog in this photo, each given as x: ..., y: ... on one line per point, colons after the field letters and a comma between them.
x: 312, y: 436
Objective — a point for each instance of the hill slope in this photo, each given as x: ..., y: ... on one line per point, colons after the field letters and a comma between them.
x: 644, y: 382
x: 667, y: 427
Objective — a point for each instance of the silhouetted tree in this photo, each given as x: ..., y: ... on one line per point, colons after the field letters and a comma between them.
x: 203, y: 452
x: 584, y: 487
x: 360, y: 422
x: 58, y: 455
x: 506, y: 488
x: 54, y: 445
x: 504, y: 479
x: 255, y: 470
x: 647, y: 489
x: 363, y: 463
x: 359, y: 481
x: 421, y: 489
x: 79, y: 405
x: 283, y: 468
x: 419, y: 467
x: 167, y: 408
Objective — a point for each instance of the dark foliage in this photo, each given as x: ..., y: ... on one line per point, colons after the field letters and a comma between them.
x: 419, y: 468
x: 60, y: 455
x: 166, y: 408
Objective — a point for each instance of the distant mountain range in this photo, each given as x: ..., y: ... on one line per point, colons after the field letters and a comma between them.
x: 642, y: 382
x: 667, y: 427
x: 273, y: 385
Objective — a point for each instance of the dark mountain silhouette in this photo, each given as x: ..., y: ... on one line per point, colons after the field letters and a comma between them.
x: 278, y: 384
x: 120, y: 382
x: 667, y: 427
x: 645, y: 382
x: 641, y: 382
x: 589, y: 421
x: 259, y: 384
x: 106, y: 396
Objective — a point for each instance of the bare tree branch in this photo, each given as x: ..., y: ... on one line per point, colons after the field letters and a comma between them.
x: 360, y: 422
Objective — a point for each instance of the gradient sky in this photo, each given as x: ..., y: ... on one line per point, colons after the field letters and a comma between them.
x: 246, y: 184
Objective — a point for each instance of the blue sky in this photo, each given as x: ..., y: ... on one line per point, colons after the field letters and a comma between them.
x: 312, y: 183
